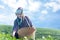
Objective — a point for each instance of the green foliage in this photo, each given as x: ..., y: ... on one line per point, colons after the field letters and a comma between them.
x: 5, y: 29
x: 41, y: 33
x: 7, y: 37
x: 47, y: 34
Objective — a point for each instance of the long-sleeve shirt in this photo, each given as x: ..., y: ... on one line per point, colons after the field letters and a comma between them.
x: 23, y: 24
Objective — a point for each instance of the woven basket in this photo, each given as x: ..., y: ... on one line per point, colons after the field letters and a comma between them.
x: 25, y: 31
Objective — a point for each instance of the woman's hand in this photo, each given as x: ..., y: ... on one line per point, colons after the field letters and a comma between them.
x: 13, y: 33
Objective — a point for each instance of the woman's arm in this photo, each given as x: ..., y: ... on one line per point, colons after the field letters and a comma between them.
x: 15, y: 27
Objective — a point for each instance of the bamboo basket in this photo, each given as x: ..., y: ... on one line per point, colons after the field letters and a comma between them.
x: 25, y: 31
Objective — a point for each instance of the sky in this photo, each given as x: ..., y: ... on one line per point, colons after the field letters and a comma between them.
x: 42, y: 13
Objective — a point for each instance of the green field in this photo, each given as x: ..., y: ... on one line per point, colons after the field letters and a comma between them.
x: 41, y: 33
x: 48, y: 34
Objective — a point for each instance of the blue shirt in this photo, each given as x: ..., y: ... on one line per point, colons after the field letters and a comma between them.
x: 23, y: 24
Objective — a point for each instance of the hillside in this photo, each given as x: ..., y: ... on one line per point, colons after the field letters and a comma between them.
x: 41, y: 33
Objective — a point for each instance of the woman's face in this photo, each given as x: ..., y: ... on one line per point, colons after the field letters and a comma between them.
x: 19, y: 15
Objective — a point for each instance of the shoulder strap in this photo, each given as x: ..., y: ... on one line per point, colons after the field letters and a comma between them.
x: 27, y: 21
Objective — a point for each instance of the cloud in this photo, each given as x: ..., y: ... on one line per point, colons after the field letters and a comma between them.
x: 15, y: 4
x: 10, y: 3
x: 2, y: 7
x: 3, y: 18
x: 52, y: 0
x: 7, y: 19
x: 11, y: 18
x: 29, y: 5
x: 55, y: 6
x: 34, y: 6
x: 58, y: 1
x: 43, y: 15
x: 44, y: 12
x: 42, y: 18
x: 26, y: 4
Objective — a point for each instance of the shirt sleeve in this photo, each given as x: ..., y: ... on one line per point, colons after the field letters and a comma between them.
x: 29, y: 21
x: 15, y: 27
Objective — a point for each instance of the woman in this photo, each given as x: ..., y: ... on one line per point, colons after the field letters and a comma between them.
x: 20, y: 22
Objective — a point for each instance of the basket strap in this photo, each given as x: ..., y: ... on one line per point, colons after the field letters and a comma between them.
x: 27, y: 22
